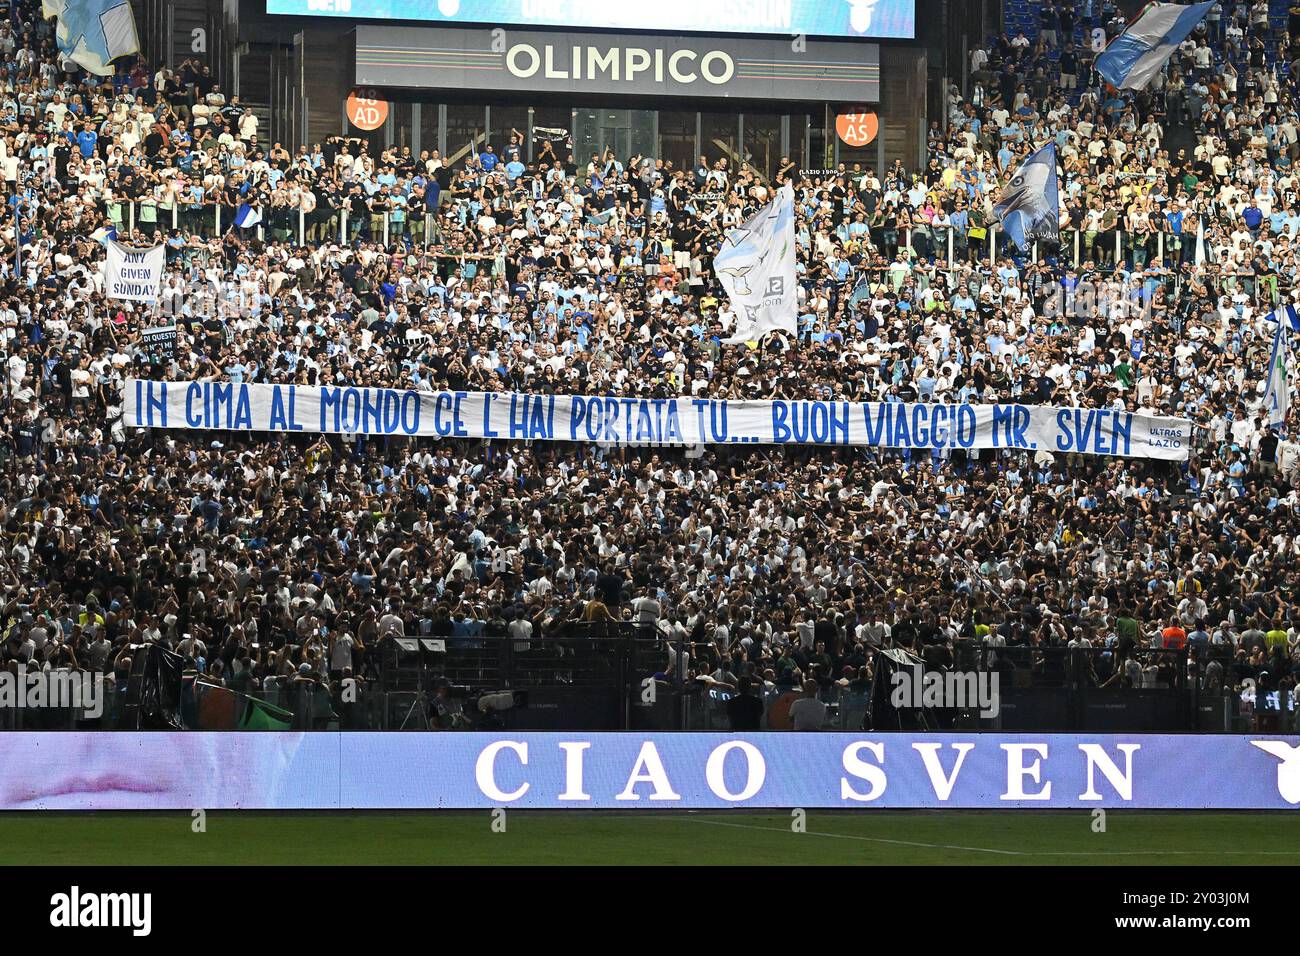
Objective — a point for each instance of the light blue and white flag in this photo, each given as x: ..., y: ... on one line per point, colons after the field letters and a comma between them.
x: 1030, y: 204
x: 861, y: 291
x: 104, y: 234
x: 93, y: 33
x: 1277, y: 391
x: 756, y: 268
x: 1133, y: 58
x: 1287, y: 313
x: 246, y: 216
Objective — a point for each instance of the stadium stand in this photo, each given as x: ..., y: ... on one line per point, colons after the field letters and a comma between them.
x: 270, y: 563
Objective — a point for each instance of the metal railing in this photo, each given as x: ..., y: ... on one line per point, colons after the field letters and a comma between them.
x: 210, y: 219
x: 46, y: 717
x: 582, y: 680
x: 1104, y: 251
x: 706, y: 707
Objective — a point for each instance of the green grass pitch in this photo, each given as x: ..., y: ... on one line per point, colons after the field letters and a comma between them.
x: 651, y: 837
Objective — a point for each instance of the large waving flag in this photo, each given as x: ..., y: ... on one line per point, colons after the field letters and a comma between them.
x: 1288, y: 314
x: 756, y: 268
x: 93, y: 33
x: 1277, y: 391
x: 1133, y: 58
x: 246, y: 216
x: 1030, y: 204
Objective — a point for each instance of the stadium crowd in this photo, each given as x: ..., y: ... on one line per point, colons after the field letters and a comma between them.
x: 291, y: 558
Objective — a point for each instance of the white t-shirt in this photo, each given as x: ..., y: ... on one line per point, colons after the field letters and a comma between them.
x: 808, y: 713
x: 646, y: 611
x: 521, y: 630
x: 341, y: 653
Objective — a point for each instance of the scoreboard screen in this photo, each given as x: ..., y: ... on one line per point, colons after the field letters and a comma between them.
x: 879, y: 19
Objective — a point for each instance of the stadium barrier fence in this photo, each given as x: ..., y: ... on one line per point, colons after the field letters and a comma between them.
x: 591, y: 678
x: 928, y: 248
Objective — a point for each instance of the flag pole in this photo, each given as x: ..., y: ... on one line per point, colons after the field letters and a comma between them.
x: 1277, y: 388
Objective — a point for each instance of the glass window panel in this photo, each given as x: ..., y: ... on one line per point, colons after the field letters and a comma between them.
x: 820, y: 155
x: 798, y: 130
x: 464, y: 126
x: 429, y: 129
x: 625, y: 133
x: 642, y: 134
x: 719, y: 139
x: 509, y: 127
x: 763, y: 142
x: 401, y: 125
x: 588, y: 135
x: 677, y: 138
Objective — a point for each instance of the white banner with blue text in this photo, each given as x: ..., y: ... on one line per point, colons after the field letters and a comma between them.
x: 631, y: 422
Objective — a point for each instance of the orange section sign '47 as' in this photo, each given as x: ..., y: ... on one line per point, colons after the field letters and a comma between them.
x: 857, y: 129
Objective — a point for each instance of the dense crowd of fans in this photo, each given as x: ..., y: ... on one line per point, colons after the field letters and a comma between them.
x: 292, y: 558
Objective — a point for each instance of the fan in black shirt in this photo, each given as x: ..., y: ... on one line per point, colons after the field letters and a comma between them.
x: 62, y: 153
x: 154, y: 142
x: 745, y: 710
